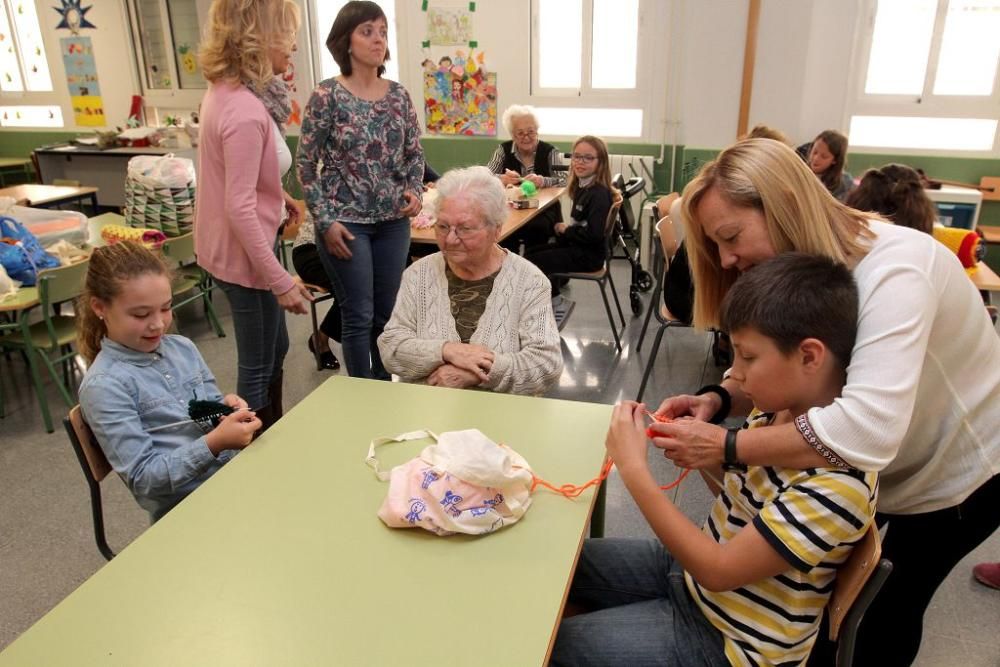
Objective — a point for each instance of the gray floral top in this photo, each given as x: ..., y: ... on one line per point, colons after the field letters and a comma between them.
x: 356, y: 158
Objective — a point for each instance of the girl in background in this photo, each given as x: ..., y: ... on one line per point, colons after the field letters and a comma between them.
x: 827, y: 158
x: 896, y: 192
x: 140, y: 378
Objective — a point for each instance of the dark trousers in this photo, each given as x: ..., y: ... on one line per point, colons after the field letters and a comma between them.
x: 308, y: 266
x: 563, y: 258
x: 923, y: 549
x: 537, y: 232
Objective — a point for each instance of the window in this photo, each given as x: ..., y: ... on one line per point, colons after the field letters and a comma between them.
x: 323, y: 13
x: 31, y: 116
x: 929, y: 76
x: 167, y: 33
x: 589, y: 50
x: 23, y: 65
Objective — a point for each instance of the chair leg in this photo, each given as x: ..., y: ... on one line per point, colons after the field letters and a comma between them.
x: 654, y: 302
x: 649, y: 362
x: 43, y: 402
x: 618, y: 304
x: 210, y: 313
x: 315, y: 322
x: 611, y: 317
x: 63, y: 390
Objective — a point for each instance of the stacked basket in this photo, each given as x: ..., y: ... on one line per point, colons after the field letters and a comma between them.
x: 159, y: 194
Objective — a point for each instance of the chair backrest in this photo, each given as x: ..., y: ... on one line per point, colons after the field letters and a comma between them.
x: 852, y: 577
x: 180, y: 248
x: 92, y: 458
x: 668, y: 239
x: 61, y: 283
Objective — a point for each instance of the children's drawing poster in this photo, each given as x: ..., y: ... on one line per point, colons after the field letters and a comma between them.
x: 449, y: 26
x: 81, y: 76
x: 460, y: 95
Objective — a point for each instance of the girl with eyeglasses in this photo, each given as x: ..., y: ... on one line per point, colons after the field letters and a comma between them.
x: 580, y: 242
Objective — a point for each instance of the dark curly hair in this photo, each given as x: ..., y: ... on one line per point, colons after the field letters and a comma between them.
x: 896, y: 192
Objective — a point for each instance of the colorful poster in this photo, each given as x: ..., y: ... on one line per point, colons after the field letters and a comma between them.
x: 449, y: 27
x: 81, y: 76
x: 460, y: 96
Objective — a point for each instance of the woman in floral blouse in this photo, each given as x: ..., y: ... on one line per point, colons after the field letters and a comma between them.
x: 364, y: 132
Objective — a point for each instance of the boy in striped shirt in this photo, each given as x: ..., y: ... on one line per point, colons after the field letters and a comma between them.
x: 749, y: 588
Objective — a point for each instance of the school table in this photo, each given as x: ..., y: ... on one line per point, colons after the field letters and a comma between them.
x: 990, y: 234
x: 280, y: 559
x: 516, y: 218
x: 14, y: 165
x: 985, y: 280
x: 49, y: 196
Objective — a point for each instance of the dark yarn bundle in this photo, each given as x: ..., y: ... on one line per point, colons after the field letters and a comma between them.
x: 207, y: 414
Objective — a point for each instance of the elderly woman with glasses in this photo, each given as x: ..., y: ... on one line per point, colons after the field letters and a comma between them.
x: 473, y: 314
x: 527, y: 158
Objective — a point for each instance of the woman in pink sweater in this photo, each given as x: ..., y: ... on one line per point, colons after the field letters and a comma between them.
x: 240, y: 206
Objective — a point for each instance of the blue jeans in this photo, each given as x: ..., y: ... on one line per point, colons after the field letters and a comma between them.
x: 642, y: 613
x: 365, y: 286
x: 261, y: 340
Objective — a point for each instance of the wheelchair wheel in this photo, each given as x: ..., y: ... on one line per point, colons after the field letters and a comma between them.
x: 644, y: 281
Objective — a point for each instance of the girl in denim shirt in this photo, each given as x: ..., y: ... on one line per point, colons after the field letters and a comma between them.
x: 141, y: 379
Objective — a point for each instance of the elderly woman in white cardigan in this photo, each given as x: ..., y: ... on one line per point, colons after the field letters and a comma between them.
x: 473, y: 314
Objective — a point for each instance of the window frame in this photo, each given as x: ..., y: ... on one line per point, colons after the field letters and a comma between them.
x: 46, y: 99
x: 639, y: 97
x: 926, y: 103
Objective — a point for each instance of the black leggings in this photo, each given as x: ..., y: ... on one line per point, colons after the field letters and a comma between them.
x: 307, y: 265
x: 923, y: 549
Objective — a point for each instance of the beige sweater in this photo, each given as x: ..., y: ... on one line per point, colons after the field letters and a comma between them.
x: 517, y: 325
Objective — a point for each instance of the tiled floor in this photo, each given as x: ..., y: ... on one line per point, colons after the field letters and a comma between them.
x: 46, y: 543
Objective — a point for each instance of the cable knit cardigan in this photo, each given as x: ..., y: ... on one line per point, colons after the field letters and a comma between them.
x: 517, y: 325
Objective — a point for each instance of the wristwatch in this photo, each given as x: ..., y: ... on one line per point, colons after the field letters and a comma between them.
x: 729, y: 459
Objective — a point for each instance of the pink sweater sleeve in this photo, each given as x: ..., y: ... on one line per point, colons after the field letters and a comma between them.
x: 243, y: 144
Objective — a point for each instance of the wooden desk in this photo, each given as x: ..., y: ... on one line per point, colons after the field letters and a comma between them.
x: 516, y: 218
x: 49, y: 196
x: 990, y: 234
x: 280, y: 558
x: 9, y: 165
x: 104, y: 169
x: 985, y: 279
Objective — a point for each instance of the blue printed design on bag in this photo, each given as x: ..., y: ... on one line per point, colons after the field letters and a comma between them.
x: 450, y: 501
x: 429, y: 478
x: 488, y: 504
x: 417, y: 506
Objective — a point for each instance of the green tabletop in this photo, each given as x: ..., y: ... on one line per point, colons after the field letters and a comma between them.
x: 24, y: 298
x: 280, y: 559
x: 7, y: 162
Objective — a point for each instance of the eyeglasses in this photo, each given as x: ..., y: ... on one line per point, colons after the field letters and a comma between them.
x: 461, y: 232
x: 526, y: 134
x: 584, y: 158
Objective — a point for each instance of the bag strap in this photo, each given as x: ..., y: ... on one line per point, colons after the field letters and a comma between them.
x: 372, y: 461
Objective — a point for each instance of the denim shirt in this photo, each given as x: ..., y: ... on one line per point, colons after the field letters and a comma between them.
x: 126, y: 392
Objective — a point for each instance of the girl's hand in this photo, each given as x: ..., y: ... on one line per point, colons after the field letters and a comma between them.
x: 336, y: 238
x: 626, y: 440
x: 701, y: 407
x: 294, y: 300
x: 235, y: 431
x: 690, y: 443
x: 560, y: 227
x: 235, y: 402
x: 414, y: 202
x: 474, y: 358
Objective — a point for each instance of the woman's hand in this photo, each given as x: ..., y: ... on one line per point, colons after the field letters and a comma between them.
x: 235, y: 402
x: 294, y: 218
x: 235, y: 431
x: 701, y: 407
x: 336, y: 238
x: 474, y: 358
x: 509, y: 178
x: 536, y: 179
x: 414, y: 202
x: 294, y: 300
x: 560, y: 227
x: 690, y: 443
x: 447, y: 375
x: 626, y: 440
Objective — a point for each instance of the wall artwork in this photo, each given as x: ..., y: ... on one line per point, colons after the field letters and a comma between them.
x: 74, y: 17
x: 449, y: 26
x: 460, y: 95
x: 81, y: 76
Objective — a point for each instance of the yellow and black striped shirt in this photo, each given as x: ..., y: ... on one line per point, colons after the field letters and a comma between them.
x: 812, y: 518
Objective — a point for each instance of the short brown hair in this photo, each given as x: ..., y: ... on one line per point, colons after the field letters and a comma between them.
x: 110, y: 266
x: 351, y: 15
x: 794, y: 296
x: 896, y: 192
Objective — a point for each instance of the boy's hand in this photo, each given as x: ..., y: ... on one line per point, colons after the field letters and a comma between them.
x: 690, y: 443
x: 626, y: 440
x: 235, y: 402
x: 701, y: 407
x: 235, y: 431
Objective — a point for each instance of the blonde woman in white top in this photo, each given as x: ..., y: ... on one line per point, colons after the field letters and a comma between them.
x: 922, y: 399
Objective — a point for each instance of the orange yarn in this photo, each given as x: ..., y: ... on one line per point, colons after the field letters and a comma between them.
x: 572, y: 491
